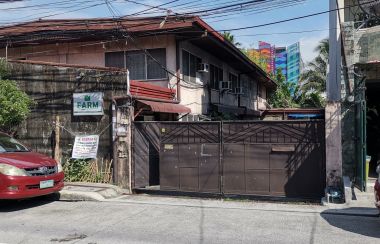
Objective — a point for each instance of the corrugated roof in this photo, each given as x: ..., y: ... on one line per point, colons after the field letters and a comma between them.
x: 162, y: 107
x: 128, y: 24
x: 79, y: 66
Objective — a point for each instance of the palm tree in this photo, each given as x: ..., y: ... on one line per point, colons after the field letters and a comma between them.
x: 229, y: 37
x: 313, y: 79
x: 312, y: 84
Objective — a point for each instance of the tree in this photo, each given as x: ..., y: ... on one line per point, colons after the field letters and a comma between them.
x: 283, y: 96
x: 312, y: 84
x: 14, y: 103
x: 229, y: 37
x: 313, y: 79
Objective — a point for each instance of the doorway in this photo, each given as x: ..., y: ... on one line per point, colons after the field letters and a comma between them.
x: 373, y: 126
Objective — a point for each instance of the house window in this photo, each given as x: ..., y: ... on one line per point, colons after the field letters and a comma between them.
x: 234, y: 81
x: 190, y: 64
x: 115, y: 59
x: 136, y: 64
x: 216, y: 75
x: 141, y: 65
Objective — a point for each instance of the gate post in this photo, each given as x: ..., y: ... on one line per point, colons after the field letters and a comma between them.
x: 123, y: 117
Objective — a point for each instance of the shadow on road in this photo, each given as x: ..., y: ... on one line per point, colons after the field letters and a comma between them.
x: 16, y: 205
x: 362, y: 221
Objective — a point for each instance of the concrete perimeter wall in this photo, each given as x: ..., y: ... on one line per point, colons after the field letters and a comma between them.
x: 52, y: 88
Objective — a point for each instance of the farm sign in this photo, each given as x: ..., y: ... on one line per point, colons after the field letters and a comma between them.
x: 88, y: 103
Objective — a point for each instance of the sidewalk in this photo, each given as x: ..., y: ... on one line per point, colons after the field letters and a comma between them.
x: 110, y: 193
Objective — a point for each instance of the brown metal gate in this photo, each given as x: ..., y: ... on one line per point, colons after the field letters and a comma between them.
x: 145, y: 154
x: 268, y: 158
x: 274, y: 158
x: 190, y: 157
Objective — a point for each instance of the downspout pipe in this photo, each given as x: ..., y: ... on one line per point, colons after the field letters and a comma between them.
x: 178, y: 73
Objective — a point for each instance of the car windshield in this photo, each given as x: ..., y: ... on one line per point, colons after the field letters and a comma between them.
x: 8, y: 144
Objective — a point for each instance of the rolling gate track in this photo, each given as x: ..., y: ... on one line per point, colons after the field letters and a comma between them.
x: 262, y: 158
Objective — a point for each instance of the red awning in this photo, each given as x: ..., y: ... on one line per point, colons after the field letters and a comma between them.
x: 166, y: 107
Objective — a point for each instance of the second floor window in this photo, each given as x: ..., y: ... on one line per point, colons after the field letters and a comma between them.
x: 190, y: 65
x: 141, y: 66
x: 234, y: 81
x: 216, y: 76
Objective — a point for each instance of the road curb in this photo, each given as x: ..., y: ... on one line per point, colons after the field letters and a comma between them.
x: 342, y: 213
x: 80, y: 191
x: 68, y: 195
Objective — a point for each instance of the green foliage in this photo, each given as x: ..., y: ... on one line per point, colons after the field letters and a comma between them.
x: 310, y: 100
x: 283, y: 96
x: 229, y: 37
x: 75, y: 170
x: 14, y: 103
x: 84, y: 170
x: 3, y: 69
x: 312, y: 84
x: 313, y: 78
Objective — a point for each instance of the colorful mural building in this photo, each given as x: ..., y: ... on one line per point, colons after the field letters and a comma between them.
x: 267, y: 52
x: 288, y: 59
x: 281, y: 60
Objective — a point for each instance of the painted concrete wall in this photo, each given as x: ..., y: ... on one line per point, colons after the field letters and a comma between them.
x: 196, y: 97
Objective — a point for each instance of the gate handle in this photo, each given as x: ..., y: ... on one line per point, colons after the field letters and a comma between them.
x: 202, y: 154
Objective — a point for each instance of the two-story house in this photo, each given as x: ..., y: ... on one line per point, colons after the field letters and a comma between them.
x: 208, y: 74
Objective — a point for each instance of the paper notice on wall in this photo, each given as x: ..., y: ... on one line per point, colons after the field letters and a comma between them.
x: 85, y: 147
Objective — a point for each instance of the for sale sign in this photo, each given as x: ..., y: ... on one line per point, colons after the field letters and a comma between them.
x: 88, y: 103
x: 85, y: 147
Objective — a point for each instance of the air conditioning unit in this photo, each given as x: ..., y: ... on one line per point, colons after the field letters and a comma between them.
x: 203, y: 68
x: 239, y: 90
x: 225, y: 85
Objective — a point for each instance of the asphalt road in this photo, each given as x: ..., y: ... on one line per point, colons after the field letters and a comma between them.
x: 36, y: 221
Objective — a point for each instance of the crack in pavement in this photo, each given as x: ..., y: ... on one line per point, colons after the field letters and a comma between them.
x: 71, y: 237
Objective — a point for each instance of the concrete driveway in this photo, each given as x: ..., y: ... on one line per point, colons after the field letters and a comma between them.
x: 145, y: 219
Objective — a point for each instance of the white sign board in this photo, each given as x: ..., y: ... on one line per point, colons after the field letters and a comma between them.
x: 88, y: 103
x: 85, y: 147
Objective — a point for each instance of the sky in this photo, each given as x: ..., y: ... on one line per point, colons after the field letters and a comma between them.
x: 278, y: 35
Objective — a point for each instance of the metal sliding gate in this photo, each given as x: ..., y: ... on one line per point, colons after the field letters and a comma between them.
x: 267, y: 158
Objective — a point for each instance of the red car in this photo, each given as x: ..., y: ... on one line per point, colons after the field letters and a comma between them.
x: 25, y: 174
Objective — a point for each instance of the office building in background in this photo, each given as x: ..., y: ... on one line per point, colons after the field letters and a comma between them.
x: 288, y: 59
x: 294, y: 63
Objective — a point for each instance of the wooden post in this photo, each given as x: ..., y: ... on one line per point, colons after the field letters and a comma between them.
x: 57, y: 130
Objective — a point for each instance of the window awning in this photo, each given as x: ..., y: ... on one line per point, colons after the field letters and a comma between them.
x: 162, y: 107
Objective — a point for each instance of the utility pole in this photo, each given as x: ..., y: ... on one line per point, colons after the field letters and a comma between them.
x: 333, y: 108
